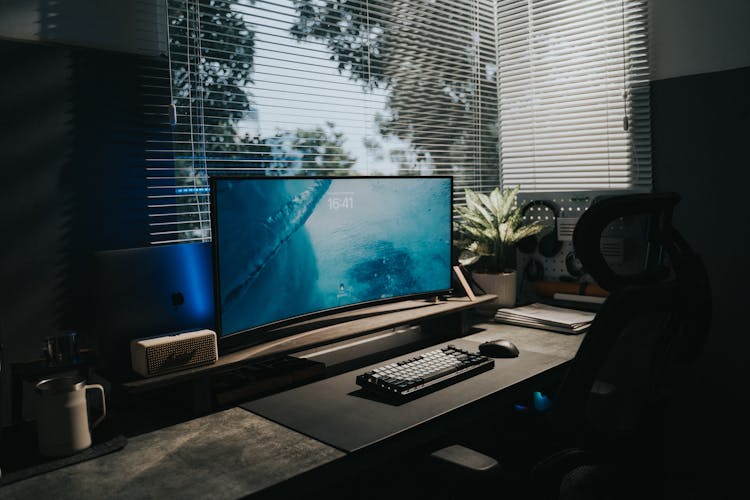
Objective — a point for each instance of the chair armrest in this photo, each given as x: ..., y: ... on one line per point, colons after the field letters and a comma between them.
x: 466, y: 458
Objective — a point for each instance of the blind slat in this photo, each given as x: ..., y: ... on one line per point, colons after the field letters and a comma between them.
x: 399, y: 86
x: 568, y: 74
x: 391, y: 86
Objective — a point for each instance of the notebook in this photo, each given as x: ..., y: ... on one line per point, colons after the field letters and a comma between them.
x: 547, y: 317
x: 149, y: 291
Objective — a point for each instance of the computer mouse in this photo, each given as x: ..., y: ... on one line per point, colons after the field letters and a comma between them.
x: 499, y: 348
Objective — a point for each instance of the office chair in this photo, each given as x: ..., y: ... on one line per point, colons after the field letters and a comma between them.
x: 602, y: 436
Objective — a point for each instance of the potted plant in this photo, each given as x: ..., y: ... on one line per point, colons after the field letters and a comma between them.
x: 489, y: 227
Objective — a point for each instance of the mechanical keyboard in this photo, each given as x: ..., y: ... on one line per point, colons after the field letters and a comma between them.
x: 414, y: 377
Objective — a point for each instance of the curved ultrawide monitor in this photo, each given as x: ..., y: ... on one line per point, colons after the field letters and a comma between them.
x: 286, y: 248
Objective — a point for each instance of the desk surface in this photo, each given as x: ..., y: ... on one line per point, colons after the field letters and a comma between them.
x: 235, y: 453
x: 336, y: 412
x: 228, y: 454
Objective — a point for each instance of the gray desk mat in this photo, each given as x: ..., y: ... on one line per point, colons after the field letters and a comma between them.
x: 331, y: 411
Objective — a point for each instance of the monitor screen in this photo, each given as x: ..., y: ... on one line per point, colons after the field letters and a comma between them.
x: 291, y: 247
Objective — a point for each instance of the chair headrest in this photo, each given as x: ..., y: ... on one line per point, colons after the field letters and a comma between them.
x: 588, y: 231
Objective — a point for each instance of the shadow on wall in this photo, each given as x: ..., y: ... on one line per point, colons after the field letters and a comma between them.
x: 74, y: 147
x: 106, y: 24
x: 37, y: 144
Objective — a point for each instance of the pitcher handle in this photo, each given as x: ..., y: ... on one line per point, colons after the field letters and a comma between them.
x: 104, y: 403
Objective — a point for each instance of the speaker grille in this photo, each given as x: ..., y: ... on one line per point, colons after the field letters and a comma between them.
x: 177, y: 352
x: 173, y: 356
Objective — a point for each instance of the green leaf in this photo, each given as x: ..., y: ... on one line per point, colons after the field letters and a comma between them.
x: 496, y: 198
x: 475, y: 204
x: 468, y: 258
x: 487, y: 202
x: 507, y: 200
x: 532, y: 229
x: 477, y: 222
x: 476, y: 232
x: 483, y: 249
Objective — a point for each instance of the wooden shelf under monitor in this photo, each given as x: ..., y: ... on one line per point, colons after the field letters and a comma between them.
x: 320, y: 331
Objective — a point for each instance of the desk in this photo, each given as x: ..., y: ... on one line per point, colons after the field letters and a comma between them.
x: 335, y: 412
x: 237, y: 453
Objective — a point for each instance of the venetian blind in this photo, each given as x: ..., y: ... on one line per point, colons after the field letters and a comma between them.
x: 323, y: 87
x: 574, y: 98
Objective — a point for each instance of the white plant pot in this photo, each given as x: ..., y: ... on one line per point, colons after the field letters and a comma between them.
x: 501, y: 284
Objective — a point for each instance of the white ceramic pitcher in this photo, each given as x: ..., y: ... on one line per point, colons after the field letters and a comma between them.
x: 62, y: 416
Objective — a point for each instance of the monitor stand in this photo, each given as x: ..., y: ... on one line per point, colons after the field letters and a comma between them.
x: 347, y: 325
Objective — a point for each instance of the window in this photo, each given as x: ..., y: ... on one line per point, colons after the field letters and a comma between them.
x: 339, y: 87
x: 574, y: 97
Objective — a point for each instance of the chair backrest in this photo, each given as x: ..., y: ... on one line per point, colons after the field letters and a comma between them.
x: 651, y: 326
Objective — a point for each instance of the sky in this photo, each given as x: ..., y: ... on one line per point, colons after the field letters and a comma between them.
x: 316, y: 98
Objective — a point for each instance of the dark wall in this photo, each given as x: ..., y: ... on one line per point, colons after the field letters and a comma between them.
x: 701, y: 131
x: 701, y: 128
x: 74, y: 144
x: 113, y: 124
x: 37, y: 144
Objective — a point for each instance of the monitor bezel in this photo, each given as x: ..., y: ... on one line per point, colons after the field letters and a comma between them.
x: 284, y: 327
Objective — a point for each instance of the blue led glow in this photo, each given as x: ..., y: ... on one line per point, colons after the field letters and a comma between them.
x: 192, y: 190
x: 541, y: 402
x: 198, y: 278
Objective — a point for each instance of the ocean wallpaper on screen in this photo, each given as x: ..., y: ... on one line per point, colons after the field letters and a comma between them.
x: 287, y: 247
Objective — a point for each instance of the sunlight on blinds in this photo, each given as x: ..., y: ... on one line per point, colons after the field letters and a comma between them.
x: 574, y: 96
x: 323, y: 87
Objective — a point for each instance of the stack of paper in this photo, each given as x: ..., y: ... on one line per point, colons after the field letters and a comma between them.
x: 537, y: 315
